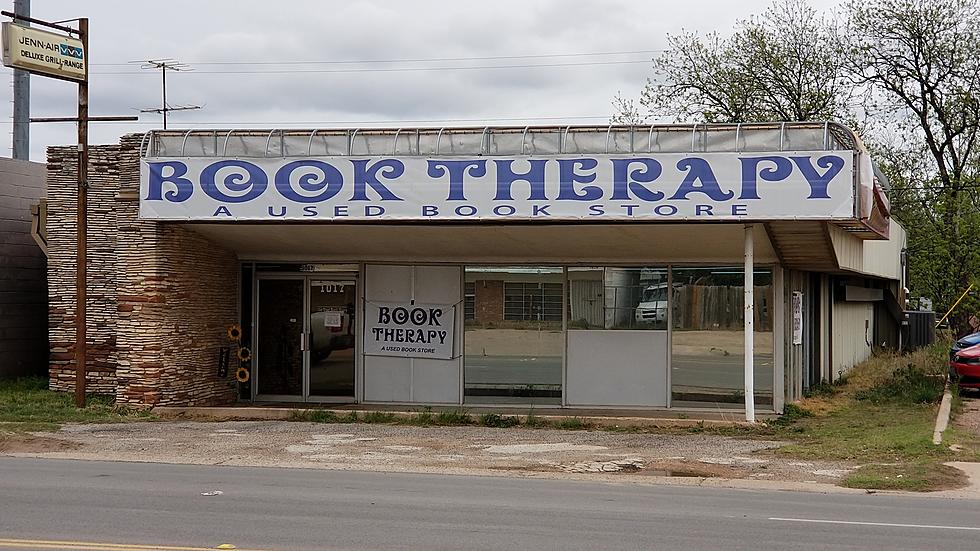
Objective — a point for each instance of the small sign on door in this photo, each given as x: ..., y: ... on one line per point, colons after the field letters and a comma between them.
x: 333, y: 319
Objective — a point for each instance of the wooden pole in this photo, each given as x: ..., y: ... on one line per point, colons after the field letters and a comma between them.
x: 82, y: 225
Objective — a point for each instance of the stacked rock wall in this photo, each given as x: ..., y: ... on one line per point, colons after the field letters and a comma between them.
x: 161, y: 296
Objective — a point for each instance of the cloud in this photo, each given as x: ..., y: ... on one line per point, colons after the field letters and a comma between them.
x: 262, y: 34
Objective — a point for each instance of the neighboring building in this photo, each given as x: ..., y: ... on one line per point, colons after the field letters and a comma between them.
x: 573, y: 266
x: 23, y: 291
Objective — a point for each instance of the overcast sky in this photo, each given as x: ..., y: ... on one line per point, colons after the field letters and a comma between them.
x: 248, y: 71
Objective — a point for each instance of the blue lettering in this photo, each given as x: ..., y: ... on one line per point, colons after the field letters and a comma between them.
x: 665, y: 210
x: 326, y: 178
x: 340, y: 210
x: 457, y: 170
x: 506, y: 178
x: 465, y: 210
x: 272, y: 213
x: 626, y: 181
x: 751, y: 173
x: 540, y: 210
x: 596, y: 210
x: 310, y: 210
x: 700, y: 210
x: 373, y: 210
x: 184, y: 186
x: 253, y: 187
x: 504, y: 210
x: 568, y: 177
x: 222, y: 210
x: 698, y: 170
x: 818, y: 183
x: 367, y: 176
x: 740, y: 210
x: 430, y: 210
x: 629, y: 209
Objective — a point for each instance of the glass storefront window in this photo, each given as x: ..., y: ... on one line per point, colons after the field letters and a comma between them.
x: 617, y: 298
x: 513, y: 338
x: 707, y: 343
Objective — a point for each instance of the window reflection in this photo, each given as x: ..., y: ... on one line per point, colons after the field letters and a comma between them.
x: 513, y: 334
x: 617, y: 298
x: 707, y: 344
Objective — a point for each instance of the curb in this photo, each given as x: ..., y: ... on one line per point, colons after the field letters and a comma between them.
x: 942, y: 418
x: 285, y: 414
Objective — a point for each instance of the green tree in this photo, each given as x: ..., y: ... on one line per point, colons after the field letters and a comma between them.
x: 918, y: 62
x: 905, y: 73
x: 785, y: 65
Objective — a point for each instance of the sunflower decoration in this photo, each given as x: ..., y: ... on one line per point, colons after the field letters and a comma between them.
x: 244, y: 354
x: 235, y: 332
x: 242, y: 375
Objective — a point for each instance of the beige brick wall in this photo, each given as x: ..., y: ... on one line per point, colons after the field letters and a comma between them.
x: 161, y: 296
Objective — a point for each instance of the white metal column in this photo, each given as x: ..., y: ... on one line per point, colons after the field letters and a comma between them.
x: 749, y: 287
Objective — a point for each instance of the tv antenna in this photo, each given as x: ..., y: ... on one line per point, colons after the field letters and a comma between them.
x: 164, y: 65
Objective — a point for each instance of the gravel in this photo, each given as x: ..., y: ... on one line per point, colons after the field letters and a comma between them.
x: 403, y: 448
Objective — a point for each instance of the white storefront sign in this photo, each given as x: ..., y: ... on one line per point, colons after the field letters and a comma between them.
x: 797, y: 300
x: 43, y: 52
x: 651, y: 187
x: 409, y: 330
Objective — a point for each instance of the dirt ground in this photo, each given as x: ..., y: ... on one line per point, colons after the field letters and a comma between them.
x: 462, y: 450
x: 969, y: 419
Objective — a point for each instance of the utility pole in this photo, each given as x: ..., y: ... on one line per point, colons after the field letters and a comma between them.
x: 81, y: 271
x: 165, y: 65
x: 22, y: 98
x: 66, y: 68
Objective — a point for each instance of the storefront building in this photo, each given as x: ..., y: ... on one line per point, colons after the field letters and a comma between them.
x: 612, y: 267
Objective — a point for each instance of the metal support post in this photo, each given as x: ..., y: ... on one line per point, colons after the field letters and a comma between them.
x: 82, y: 224
x: 22, y: 98
x: 749, y: 287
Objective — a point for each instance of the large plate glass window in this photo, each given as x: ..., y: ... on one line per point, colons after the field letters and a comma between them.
x: 708, y: 339
x: 513, y: 334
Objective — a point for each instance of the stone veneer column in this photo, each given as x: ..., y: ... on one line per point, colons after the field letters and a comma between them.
x: 178, y: 293
x: 161, y: 296
x: 61, y: 194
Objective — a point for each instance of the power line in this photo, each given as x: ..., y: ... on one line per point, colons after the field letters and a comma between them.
x: 407, y: 60
x: 309, y: 123
x: 401, y: 69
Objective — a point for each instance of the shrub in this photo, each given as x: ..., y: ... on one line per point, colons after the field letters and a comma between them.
x: 909, y: 384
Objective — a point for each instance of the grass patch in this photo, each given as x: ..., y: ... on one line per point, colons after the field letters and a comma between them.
x: 910, y: 477
x: 572, y: 423
x: 453, y: 417
x: 314, y: 416
x: 26, y: 404
x: 497, y: 420
x: 882, y: 416
x: 378, y: 417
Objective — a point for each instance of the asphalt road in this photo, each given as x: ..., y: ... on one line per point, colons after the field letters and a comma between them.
x: 154, y: 504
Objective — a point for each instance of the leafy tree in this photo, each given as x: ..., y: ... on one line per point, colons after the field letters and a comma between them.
x: 919, y: 63
x: 904, y: 72
x: 785, y: 65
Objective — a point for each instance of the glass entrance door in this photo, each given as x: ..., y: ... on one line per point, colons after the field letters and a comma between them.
x: 305, y: 338
x: 279, y: 354
x: 332, y: 330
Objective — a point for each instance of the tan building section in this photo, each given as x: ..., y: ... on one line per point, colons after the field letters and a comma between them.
x: 161, y: 297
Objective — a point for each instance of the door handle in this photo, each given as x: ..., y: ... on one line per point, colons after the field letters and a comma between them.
x: 303, y: 344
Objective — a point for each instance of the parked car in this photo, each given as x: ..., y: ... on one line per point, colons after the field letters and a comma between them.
x: 964, y: 367
x: 653, y: 304
x: 964, y: 342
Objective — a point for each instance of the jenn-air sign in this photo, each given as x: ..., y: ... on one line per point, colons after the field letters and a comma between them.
x: 652, y: 187
x: 43, y: 52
